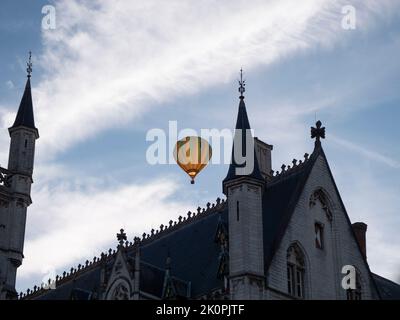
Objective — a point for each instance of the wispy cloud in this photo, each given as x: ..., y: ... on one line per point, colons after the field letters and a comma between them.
x: 370, y: 200
x: 106, y: 61
x: 366, y: 152
x: 72, y: 221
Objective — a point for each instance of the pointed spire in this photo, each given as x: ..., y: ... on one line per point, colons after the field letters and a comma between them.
x: 242, y: 128
x: 25, y: 111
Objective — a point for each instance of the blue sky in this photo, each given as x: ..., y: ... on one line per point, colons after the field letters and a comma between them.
x: 111, y: 71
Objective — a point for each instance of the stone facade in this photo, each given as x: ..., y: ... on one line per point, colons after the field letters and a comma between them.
x: 322, y: 266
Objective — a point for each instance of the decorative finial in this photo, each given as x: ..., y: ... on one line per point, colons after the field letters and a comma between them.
x: 29, y: 65
x: 121, y: 237
x: 242, y: 84
x: 318, y: 133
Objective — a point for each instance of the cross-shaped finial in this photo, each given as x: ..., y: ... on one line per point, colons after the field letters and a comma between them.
x: 318, y: 133
x: 242, y: 85
x: 29, y: 65
x: 121, y: 237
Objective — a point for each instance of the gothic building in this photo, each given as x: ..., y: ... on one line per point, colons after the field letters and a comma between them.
x: 278, y: 235
x: 15, y: 192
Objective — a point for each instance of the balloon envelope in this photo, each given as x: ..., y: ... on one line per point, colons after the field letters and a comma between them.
x: 192, y: 154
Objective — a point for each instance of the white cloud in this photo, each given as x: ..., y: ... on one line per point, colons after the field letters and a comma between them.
x: 73, y: 220
x: 110, y: 61
x: 107, y: 61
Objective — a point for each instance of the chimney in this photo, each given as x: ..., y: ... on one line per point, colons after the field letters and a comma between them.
x: 360, y: 229
x: 263, y: 153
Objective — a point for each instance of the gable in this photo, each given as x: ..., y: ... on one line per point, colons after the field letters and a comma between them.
x: 279, y: 201
x: 120, y: 282
x: 297, y: 223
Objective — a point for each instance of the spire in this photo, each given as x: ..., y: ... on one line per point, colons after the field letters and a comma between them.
x: 242, y: 128
x: 25, y: 111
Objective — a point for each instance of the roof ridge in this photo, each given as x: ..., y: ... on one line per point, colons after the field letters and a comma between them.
x: 182, y: 221
x: 288, y: 170
x: 385, y: 279
x: 66, y: 276
x: 146, y: 239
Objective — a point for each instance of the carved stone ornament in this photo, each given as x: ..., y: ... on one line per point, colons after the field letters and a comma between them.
x: 121, y: 292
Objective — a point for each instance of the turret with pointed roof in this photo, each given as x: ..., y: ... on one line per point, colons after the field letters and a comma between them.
x: 243, y: 140
x: 244, y: 187
x: 23, y: 134
x: 25, y: 111
x: 25, y: 116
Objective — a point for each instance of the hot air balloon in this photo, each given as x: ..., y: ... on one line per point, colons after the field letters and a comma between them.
x: 192, y: 155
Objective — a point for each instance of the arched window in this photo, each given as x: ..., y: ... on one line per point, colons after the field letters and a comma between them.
x: 295, y: 271
x: 321, y: 196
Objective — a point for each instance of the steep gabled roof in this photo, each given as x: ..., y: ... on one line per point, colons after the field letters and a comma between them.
x: 25, y: 111
x: 242, y: 128
x: 279, y: 201
x: 279, y: 204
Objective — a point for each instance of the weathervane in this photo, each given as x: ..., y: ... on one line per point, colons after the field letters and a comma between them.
x: 242, y: 85
x: 29, y: 65
x: 318, y: 133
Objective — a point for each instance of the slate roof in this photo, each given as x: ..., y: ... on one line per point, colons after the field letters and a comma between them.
x: 242, y: 124
x: 86, y: 282
x: 388, y: 290
x: 279, y: 201
x: 151, y: 279
x: 193, y: 252
x: 194, y: 261
x: 25, y: 111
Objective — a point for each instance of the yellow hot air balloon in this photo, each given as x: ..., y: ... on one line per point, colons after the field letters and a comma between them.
x: 192, y: 155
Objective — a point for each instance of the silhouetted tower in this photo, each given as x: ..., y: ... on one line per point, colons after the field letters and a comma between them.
x: 16, y: 186
x: 244, y: 187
